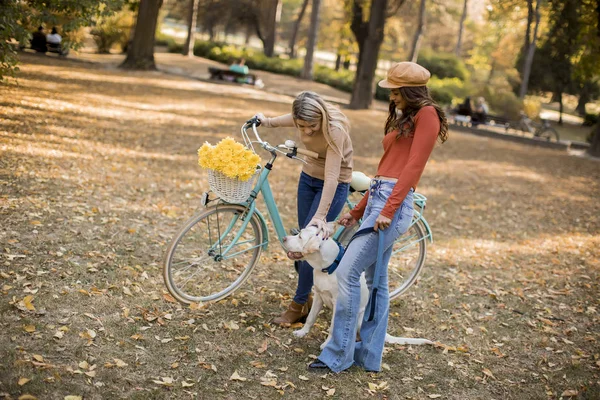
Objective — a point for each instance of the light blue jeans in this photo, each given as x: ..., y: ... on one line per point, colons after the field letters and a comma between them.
x: 343, y: 351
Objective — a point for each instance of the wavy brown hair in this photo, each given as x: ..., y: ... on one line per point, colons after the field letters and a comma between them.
x: 416, y: 97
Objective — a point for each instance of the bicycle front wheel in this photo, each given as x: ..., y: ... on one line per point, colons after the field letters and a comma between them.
x: 213, y: 254
x: 408, y: 257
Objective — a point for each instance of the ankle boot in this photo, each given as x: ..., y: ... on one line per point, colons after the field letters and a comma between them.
x: 294, y: 313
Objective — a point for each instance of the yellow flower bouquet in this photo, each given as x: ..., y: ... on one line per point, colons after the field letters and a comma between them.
x: 230, y: 166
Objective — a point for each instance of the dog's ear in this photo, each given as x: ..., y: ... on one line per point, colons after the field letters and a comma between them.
x: 312, y: 245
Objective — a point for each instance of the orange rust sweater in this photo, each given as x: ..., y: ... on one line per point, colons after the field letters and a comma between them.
x: 405, y: 159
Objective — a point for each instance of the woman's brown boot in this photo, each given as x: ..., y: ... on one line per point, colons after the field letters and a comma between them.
x: 294, y: 313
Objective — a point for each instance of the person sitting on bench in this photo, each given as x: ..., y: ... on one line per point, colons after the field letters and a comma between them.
x: 38, y: 40
x: 480, y: 112
x: 240, y: 67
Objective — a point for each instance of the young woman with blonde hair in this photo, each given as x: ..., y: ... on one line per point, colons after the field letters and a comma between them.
x: 324, y: 182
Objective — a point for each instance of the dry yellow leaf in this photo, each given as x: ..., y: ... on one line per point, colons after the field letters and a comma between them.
x: 27, y: 301
x: 71, y: 397
x: 23, y: 381
x: 186, y: 384
x: 27, y: 397
x: 29, y: 328
x: 303, y: 378
x: 38, y: 358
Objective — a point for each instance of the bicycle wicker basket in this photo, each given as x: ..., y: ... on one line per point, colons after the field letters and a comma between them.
x: 229, y: 189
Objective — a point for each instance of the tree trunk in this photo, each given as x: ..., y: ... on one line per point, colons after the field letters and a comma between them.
x: 414, y: 53
x: 188, y: 49
x: 461, y: 28
x: 530, y: 53
x: 307, y: 71
x: 594, y: 149
x: 338, y: 61
x: 369, y: 45
x: 559, y: 96
x: 292, y: 45
x: 492, y: 70
x: 248, y: 35
x: 271, y: 12
x: 530, y: 16
x: 140, y: 55
x: 584, y: 98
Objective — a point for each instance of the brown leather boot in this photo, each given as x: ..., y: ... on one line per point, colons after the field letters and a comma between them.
x: 294, y: 313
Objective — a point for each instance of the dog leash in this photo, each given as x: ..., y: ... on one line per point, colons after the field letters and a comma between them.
x: 378, y: 265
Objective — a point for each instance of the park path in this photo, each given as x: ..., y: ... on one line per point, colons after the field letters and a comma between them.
x: 197, y: 68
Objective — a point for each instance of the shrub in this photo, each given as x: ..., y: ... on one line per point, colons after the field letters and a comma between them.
x: 591, y: 119
x: 111, y: 30
x: 503, y: 102
x: 532, y: 107
x: 443, y: 65
x: 443, y: 91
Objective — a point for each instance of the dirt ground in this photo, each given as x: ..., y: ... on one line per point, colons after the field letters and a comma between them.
x: 98, y: 169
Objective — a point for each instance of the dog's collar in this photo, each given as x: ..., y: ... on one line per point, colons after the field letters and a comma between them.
x: 336, y: 262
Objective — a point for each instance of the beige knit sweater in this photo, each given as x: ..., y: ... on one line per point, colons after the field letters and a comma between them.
x: 330, y: 166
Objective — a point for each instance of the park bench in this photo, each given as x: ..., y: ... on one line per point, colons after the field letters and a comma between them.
x: 490, y: 120
x: 499, y: 121
x: 232, y: 76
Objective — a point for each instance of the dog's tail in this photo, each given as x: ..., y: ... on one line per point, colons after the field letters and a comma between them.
x: 400, y: 340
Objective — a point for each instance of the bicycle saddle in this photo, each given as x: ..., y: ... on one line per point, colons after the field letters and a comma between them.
x: 360, y: 181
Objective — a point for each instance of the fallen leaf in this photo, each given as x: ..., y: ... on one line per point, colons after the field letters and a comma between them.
x: 263, y: 347
x: 27, y: 397
x: 434, y: 396
x: 29, y: 328
x: 186, y: 384
x: 23, y: 381
x: 570, y: 393
x: 120, y: 363
x: 303, y: 378
x: 165, y: 381
x: 488, y: 373
x: 71, y: 397
x: 37, y: 357
x: 27, y: 301
x: 236, y: 377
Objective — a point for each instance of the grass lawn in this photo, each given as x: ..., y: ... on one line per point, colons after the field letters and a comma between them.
x: 98, y: 170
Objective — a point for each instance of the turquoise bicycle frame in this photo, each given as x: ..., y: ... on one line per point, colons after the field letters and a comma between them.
x: 263, y: 186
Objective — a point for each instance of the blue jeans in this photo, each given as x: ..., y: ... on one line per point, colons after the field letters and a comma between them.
x: 309, y: 196
x: 343, y: 351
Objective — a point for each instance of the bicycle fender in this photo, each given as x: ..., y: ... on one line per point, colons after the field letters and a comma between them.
x: 427, y: 230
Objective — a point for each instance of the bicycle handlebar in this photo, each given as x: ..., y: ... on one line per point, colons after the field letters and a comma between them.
x: 308, y: 153
x: 255, y: 122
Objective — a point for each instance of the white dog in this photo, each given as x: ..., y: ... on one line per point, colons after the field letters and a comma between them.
x: 321, y: 254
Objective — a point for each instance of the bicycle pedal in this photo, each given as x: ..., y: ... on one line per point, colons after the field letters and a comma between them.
x: 294, y: 231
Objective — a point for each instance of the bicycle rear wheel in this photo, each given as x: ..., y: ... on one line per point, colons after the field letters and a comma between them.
x: 548, y: 134
x: 408, y: 257
x: 213, y: 254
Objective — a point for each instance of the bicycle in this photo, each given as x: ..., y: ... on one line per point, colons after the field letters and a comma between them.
x: 215, y: 251
x: 542, y: 130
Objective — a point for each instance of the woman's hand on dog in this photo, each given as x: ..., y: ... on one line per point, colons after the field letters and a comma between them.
x: 322, y: 226
x: 347, y: 220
